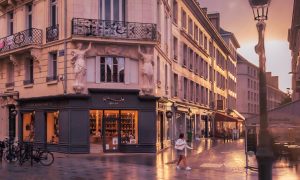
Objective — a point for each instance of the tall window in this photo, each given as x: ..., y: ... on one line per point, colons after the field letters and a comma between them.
x: 52, y: 124
x: 158, y: 70
x: 29, y: 71
x: 10, y: 23
x: 183, y: 19
x: 112, y: 69
x: 166, y: 77
x: 200, y: 38
x: 196, y: 63
x: 196, y: 33
x: 205, y: 42
x: 52, y: 66
x: 197, y: 93
x: 10, y: 72
x: 175, y: 11
x: 191, y: 90
x: 29, y: 16
x: 112, y: 10
x: 175, y: 85
x: 53, y: 12
x: 191, y: 59
x: 185, y: 54
x: 190, y: 27
x: 175, y: 48
x: 185, y: 88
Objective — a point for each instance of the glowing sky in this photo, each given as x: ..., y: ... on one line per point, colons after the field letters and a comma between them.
x: 237, y: 17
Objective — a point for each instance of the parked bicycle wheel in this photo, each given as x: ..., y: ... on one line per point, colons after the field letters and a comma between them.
x: 10, y: 157
x: 46, y: 158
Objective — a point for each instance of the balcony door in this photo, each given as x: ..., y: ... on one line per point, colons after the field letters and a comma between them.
x: 112, y: 10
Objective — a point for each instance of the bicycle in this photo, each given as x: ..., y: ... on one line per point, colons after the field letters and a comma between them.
x: 11, y: 152
x: 43, y: 157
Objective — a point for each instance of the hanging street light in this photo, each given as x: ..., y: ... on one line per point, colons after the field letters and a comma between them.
x: 264, y: 154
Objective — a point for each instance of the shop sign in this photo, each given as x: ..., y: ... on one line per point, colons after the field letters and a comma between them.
x: 112, y: 101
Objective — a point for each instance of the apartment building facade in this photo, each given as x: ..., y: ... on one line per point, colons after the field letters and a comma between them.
x: 248, y: 89
x: 294, y: 45
x: 127, y: 76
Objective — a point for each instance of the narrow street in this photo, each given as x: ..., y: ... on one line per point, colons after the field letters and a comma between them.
x: 209, y: 160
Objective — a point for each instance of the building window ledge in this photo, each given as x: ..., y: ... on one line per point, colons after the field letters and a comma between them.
x: 53, y: 82
x: 28, y: 86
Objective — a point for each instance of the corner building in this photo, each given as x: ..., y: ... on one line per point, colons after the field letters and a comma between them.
x: 101, y: 75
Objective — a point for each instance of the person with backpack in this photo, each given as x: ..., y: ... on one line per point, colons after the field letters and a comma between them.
x: 180, y: 146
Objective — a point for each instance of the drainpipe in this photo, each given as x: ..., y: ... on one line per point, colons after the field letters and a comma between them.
x: 65, y: 48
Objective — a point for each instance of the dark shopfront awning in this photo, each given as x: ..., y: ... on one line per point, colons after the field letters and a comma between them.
x: 224, y: 117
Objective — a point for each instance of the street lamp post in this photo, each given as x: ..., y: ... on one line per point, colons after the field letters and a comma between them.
x: 264, y: 153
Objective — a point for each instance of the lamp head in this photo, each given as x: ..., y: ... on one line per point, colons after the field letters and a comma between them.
x: 260, y: 9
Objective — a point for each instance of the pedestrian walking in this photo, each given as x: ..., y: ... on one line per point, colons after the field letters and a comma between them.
x: 224, y: 135
x: 180, y: 146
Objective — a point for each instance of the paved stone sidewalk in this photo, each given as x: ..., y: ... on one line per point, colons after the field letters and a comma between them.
x: 210, y: 161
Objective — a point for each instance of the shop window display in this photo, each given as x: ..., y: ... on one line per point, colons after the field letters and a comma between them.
x: 52, y: 127
x: 28, y: 127
x: 129, y: 128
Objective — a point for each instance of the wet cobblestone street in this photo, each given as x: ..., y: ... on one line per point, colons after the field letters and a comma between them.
x: 209, y: 161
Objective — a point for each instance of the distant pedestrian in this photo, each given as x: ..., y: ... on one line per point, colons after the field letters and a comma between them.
x: 180, y: 146
x: 224, y: 135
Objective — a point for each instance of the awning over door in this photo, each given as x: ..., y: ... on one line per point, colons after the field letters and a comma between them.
x: 219, y: 116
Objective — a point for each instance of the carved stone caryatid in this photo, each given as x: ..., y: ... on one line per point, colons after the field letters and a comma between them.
x: 36, y: 55
x: 14, y: 61
x: 79, y: 66
x: 147, y: 71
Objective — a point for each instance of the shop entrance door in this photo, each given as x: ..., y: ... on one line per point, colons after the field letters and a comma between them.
x: 111, y: 126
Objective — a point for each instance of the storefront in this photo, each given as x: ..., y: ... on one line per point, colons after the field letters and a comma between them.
x: 115, y: 121
x: 227, y: 123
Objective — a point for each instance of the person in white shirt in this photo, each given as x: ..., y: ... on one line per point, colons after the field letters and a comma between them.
x: 180, y: 146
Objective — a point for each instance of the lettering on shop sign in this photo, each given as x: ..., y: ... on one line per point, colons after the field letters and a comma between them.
x: 47, y: 104
x: 112, y: 101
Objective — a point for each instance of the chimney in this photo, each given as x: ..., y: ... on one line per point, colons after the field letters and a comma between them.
x: 215, y: 20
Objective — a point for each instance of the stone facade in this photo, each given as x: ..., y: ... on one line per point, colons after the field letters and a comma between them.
x: 167, y: 53
x: 294, y: 40
x: 248, y: 88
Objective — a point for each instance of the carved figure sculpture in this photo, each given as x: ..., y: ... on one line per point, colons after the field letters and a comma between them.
x: 79, y: 66
x: 147, y: 71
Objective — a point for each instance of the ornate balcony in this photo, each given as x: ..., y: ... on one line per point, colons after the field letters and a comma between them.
x: 21, y: 39
x: 114, y: 29
x: 52, y: 33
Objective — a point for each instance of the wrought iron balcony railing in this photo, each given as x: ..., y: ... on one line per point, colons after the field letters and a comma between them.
x: 114, y: 29
x: 52, y: 33
x: 21, y: 39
